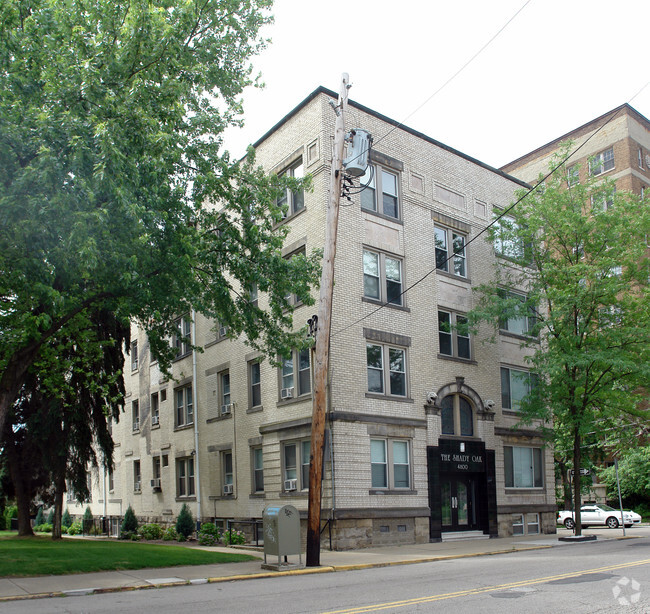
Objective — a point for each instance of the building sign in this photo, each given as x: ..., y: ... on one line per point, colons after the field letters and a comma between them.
x: 462, y: 457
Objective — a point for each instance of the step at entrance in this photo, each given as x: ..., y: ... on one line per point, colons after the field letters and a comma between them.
x: 457, y: 535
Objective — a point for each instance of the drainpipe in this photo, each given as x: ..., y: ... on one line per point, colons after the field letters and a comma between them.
x: 195, y: 401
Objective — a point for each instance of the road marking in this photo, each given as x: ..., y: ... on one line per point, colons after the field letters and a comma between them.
x: 488, y: 589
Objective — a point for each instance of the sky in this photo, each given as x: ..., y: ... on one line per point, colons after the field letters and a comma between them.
x: 557, y: 65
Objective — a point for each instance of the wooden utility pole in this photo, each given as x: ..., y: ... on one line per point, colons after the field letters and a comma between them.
x: 321, y: 353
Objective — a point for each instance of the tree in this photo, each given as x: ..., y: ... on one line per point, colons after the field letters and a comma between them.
x: 579, y: 254
x: 185, y: 522
x: 129, y: 522
x: 116, y: 195
x: 634, y: 476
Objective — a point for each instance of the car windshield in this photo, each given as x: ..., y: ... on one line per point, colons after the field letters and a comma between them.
x: 606, y: 508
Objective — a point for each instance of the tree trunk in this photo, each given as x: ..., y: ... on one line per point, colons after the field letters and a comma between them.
x: 58, y: 506
x: 566, y: 484
x: 23, y: 498
x: 577, y: 461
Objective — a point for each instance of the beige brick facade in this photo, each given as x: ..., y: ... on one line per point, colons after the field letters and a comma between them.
x: 436, y: 186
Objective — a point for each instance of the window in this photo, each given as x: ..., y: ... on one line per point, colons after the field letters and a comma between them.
x: 532, y: 523
x: 156, y: 473
x: 134, y: 356
x: 602, y: 162
x: 506, y: 241
x: 382, y: 278
x: 603, y: 200
x: 380, y: 194
x: 135, y: 415
x: 254, y: 384
x: 155, y: 408
x: 137, y: 477
x: 184, y: 406
x: 573, y: 175
x: 453, y: 335
x: 386, y: 369
x: 523, y: 321
x: 227, y: 476
x: 295, y: 457
x: 182, y: 340
x: 456, y: 416
x: 640, y: 157
x: 516, y: 385
x: 111, y: 481
x: 224, y: 390
x: 518, y: 524
x: 258, y: 469
x: 390, y: 465
x: 456, y: 261
x: 185, y: 477
x: 295, y: 375
x: 523, y: 467
x: 294, y: 299
x: 293, y: 200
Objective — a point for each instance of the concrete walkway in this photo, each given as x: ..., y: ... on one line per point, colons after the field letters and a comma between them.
x: 14, y: 588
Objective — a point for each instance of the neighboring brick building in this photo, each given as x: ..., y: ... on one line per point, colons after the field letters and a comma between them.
x: 420, y: 437
x: 619, y: 142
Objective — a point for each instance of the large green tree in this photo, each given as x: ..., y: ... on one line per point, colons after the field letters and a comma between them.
x: 116, y: 193
x: 579, y: 253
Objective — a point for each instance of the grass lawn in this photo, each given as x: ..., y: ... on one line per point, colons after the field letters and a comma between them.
x: 39, y: 556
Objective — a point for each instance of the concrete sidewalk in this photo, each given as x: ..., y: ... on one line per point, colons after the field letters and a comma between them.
x: 111, y: 581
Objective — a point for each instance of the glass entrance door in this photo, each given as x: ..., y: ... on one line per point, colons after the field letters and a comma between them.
x: 458, y: 504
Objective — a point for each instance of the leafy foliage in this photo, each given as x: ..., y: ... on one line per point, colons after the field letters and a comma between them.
x: 209, y: 534
x: 233, y: 537
x: 50, y: 517
x: 185, y: 522
x: 66, y: 519
x: 170, y: 534
x: 39, y: 516
x: 75, y: 528
x: 634, y: 477
x: 129, y: 522
x: 150, y: 531
x: 87, y: 520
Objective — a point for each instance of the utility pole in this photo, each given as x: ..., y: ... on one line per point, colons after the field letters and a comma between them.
x: 321, y: 353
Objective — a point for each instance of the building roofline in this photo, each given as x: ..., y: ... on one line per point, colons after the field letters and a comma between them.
x: 323, y: 90
x: 551, y: 145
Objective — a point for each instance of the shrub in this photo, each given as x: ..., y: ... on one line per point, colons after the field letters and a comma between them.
x: 11, y: 511
x: 74, y: 528
x: 64, y: 529
x: 2, y: 519
x: 50, y: 517
x: 185, y: 522
x: 39, y: 517
x: 88, y: 520
x: 130, y: 522
x: 170, y: 535
x: 150, y: 531
x: 66, y: 519
x: 231, y: 538
x: 209, y: 535
x: 44, y: 527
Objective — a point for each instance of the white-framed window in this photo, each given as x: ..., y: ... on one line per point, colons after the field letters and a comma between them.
x: 516, y: 385
x: 184, y: 406
x: 380, y: 194
x: 523, y: 467
x: 506, y: 241
x: 224, y: 388
x: 390, y: 463
x: 293, y: 200
x: 573, y: 175
x: 227, y: 474
x: 524, y: 319
x: 137, y: 476
x: 185, y: 477
x: 517, y: 524
x: 456, y: 416
x: 532, y: 523
x: 111, y: 481
x: 386, y: 366
x: 258, y: 468
x: 382, y: 277
x: 602, y: 162
x: 295, y: 374
x: 453, y: 335
x: 155, y: 408
x: 182, y: 337
x: 254, y: 384
x: 451, y: 251
x: 134, y: 355
x: 295, y: 464
x: 135, y: 415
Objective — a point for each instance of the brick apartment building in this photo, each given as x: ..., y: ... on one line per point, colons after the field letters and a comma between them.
x: 422, y: 435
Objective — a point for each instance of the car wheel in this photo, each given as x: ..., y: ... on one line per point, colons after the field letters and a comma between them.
x: 569, y: 523
x: 612, y: 523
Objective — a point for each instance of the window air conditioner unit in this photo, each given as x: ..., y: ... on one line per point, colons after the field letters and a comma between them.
x: 228, y: 489
x: 155, y: 484
x: 291, y: 484
x: 155, y: 419
x: 223, y: 331
x: 136, y: 486
x: 226, y: 409
x: 136, y: 425
x: 286, y: 393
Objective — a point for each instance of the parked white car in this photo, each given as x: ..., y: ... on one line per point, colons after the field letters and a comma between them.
x: 599, y: 515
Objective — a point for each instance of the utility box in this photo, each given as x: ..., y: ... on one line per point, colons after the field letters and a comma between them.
x: 281, y: 525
